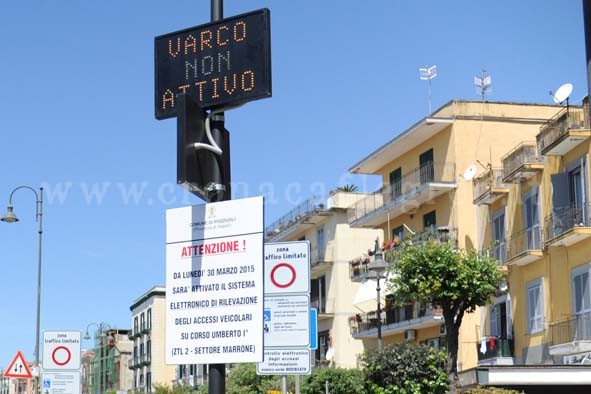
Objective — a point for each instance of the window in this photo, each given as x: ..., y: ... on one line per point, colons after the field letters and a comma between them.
x: 318, y: 294
x: 323, y: 345
x: 429, y: 220
x: 149, y: 318
x: 535, y: 307
x: 531, y: 220
x: 426, y: 166
x: 320, y: 244
x: 398, y: 233
x: 396, y: 183
x: 149, y: 348
x: 142, y: 352
x: 500, y: 318
x: 580, y: 288
x: 149, y: 382
x: 499, y: 248
x: 135, y: 326
x: 142, y: 321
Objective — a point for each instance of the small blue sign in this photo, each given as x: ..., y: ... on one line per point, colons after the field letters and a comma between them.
x: 267, y: 315
x: 313, y: 328
x: 47, y: 384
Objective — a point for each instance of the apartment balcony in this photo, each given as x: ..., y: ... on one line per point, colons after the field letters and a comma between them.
x: 525, y: 247
x: 569, y: 225
x: 571, y: 336
x: 522, y: 163
x: 395, y: 321
x: 417, y: 187
x: 358, y: 268
x: 321, y: 260
x: 304, y: 216
x: 488, y: 187
x: 569, y: 128
x: 325, y: 307
x: 498, y: 251
x: 497, y: 351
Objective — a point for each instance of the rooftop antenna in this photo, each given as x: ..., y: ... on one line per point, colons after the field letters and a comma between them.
x: 562, y: 93
x: 483, y: 84
x: 427, y: 74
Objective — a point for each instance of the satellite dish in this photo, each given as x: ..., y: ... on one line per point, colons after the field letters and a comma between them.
x: 563, y: 93
x: 470, y: 172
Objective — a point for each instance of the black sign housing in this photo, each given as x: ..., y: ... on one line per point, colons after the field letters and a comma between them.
x: 219, y: 64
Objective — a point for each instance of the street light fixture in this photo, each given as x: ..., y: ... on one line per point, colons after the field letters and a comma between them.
x: 101, y: 327
x: 10, y: 217
x: 377, y: 269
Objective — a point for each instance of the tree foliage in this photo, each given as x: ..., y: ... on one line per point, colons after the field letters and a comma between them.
x: 340, y: 381
x: 405, y: 369
x: 243, y: 379
x: 349, y: 188
x: 444, y: 276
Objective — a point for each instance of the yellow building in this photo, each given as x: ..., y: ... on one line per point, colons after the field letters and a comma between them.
x: 427, y: 174
x: 323, y: 222
x: 539, y: 220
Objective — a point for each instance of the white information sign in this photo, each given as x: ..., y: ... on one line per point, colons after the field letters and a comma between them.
x: 287, y: 267
x: 60, y: 382
x: 61, y: 350
x: 287, y: 321
x: 214, y: 283
x: 285, y: 362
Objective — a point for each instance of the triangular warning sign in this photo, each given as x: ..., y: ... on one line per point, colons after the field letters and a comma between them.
x: 18, y: 368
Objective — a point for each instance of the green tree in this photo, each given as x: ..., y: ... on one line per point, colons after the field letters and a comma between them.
x: 453, y: 279
x: 405, y: 369
x: 243, y: 379
x: 340, y: 381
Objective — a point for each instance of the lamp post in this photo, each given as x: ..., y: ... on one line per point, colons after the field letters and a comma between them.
x: 101, y: 327
x: 377, y: 268
x: 10, y: 217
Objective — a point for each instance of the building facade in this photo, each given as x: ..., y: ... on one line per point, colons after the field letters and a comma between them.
x: 148, y: 342
x: 427, y: 175
x: 539, y: 221
x: 106, y: 367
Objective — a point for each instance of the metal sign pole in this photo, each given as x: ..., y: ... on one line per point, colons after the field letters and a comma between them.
x: 283, y: 384
x: 217, y: 372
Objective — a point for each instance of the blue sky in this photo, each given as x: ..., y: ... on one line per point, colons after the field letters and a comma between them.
x: 76, y: 115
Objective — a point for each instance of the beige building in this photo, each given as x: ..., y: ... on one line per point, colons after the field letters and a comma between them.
x: 427, y: 173
x: 148, y: 336
x: 333, y: 243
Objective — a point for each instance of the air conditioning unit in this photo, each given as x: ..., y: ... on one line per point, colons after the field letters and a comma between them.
x: 410, y: 335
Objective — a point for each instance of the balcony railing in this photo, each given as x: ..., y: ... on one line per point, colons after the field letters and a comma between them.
x: 488, y: 186
x: 498, y: 251
x: 577, y: 328
x: 403, y: 315
x: 311, y: 206
x: 403, y: 193
x: 570, y: 118
x: 562, y: 220
x: 358, y: 268
x: 523, y: 244
x: 522, y: 161
x: 495, y: 347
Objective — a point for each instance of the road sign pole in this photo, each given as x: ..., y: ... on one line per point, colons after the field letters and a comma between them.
x: 217, y: 372
x: 283, y: 384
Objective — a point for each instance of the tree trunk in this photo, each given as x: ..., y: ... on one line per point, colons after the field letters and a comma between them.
x: 451, y: 338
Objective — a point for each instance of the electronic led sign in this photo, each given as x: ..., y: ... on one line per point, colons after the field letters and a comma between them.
x: 219, y: 64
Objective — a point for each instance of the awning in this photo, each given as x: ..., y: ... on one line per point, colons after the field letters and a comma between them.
x: 366, y: 297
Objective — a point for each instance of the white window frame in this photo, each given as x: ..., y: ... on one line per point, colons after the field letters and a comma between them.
x: 532, y: 233
x: 536, y: 317
x: 586, y: 268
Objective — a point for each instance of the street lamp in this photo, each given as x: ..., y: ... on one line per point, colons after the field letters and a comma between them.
x: 101, y: 328
x: 377, y: 268
x: 10, y: 217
